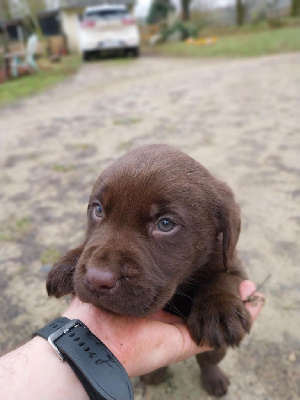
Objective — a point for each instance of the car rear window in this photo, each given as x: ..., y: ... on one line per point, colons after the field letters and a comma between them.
x: 106, y: 14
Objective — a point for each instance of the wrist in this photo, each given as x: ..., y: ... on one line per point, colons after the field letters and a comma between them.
x: 99, y: 322
x: 36, y: 367
x: 96, y: 367
x: 67, y: 386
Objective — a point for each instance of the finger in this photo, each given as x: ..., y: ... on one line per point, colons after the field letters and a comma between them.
x: 164, y: 316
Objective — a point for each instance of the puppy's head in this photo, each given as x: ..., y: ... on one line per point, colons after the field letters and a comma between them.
x: 154, y: 217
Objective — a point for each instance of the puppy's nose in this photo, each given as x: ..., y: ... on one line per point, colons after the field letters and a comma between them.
x: 100, y: 280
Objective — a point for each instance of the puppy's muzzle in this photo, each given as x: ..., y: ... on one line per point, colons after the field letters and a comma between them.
x: 100, y: 282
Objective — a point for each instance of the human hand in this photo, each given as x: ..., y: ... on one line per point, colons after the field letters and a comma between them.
x: 145, y: 344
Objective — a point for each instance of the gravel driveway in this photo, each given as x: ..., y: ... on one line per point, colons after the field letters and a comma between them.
x: 240, y: 118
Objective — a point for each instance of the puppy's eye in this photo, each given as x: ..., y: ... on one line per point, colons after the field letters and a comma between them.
x: 165, y: 225
x: 98, y: 210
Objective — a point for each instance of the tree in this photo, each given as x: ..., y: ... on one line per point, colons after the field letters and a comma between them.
x: 30, y: 8
x: 159, y: 11
x: 240, y: 12
x: 5, y: 11
x: 295, y: 8
x: 185, y: 9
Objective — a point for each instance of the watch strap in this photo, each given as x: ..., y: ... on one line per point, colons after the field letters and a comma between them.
x: 99, y: 371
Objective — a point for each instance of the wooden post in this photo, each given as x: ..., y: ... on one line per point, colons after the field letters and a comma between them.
x: 6, y: 51
x: 240, y: 12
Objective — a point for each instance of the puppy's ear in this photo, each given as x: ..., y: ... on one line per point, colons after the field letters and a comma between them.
x: 229, y: 223
x: 60, y: 278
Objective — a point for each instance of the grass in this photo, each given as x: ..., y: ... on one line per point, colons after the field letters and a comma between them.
x: 63, y: 168
x: 126, y: 121
x: 48, y: 75
x: 15, y: 229
x: 23, y: 224
x: 240, y: 44
x: 125, y: 145
x: 82, y: 146
x: 50, y: 256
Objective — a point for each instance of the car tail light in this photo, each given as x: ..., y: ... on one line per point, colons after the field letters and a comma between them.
x: 89, y: 23
x: 128, y: 21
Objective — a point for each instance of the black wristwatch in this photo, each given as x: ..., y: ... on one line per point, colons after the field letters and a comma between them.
x: 101, y: 374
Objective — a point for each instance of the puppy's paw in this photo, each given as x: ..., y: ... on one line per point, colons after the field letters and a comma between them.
x: 219, y: 320
x: 60, y: 278
x: 156, y: 377
x: 214, y: 381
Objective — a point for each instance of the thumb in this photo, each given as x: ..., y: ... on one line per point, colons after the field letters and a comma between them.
x: 254, y: 301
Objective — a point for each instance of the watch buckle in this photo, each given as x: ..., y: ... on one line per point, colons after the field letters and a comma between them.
x: 60, y: 332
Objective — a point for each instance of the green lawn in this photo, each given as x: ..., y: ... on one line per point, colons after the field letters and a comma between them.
x: 241, y: 44
x: 48, y: 75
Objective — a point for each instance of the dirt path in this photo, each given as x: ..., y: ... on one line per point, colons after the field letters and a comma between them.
x: 241, y: 119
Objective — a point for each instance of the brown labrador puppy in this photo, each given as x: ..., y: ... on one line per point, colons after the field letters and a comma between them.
x: 162, y: 233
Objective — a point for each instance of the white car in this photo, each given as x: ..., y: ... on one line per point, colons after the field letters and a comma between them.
x: 108, y: 28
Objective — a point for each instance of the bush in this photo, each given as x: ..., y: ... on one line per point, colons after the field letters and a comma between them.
x: 258, y: 16
x: 275, y: 23
x: 183, y: 29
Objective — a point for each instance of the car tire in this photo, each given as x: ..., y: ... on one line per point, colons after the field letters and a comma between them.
x: 86, y: 55
x: 136, y: 52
